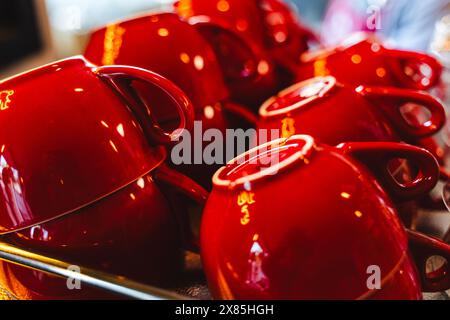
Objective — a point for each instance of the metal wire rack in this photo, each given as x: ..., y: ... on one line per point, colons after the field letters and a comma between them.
x: 114, y: 284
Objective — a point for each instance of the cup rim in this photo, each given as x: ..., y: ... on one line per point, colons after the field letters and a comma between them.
x: 353, y: 40
x: 330, y: 82
x: 306, y: 149
x: 37, y: 70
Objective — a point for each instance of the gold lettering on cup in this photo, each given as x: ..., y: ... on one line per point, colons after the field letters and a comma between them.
x: 245, y: 200
x: 112, y: 44
x: 5, y: 99
x: 287, y: 127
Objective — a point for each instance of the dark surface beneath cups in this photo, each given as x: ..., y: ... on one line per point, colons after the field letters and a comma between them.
x: 193, y: 284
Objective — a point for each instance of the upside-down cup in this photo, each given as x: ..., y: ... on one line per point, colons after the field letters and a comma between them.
x: 81, y: 171
x: 296, y: 109
x: 364, y: 60
x: 178, y: 52
x: 336, y: 113
x: 310, y: 221
x: 270, y: 26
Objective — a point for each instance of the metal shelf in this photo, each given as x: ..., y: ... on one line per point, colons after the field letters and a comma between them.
x: 110, y: 283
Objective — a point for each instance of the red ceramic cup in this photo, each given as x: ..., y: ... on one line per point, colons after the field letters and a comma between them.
x: 133, y: 232
x: 68, y: 138
x: 177, y: 51
x: 310, y: 221
x: 363, y: 60
x: 249, y: 72
x: 80, y: 174
x: 269, y: 23
x: 336, y: 113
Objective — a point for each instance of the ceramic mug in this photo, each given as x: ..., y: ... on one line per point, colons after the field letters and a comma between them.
x: 364, y: 60
x: 177, y: 51
x: 335, y: 113
x: 255, y: 78
x: 271, y: 24
x: 309, y: 221
x: 81, y: 168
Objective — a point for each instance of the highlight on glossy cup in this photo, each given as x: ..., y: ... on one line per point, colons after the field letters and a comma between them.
x: 81, y: 164
x: 249, y: 72
x: 340, y: 103
x: 334, y: 113
x: 271, y: 25
x: 363, y: 59
x: 325, y: 199
x: 180, y: 52
x: 67, y: 110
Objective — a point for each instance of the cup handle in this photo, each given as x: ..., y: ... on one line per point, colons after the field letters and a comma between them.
x: 434, y: 106
x: 206, y: 24
x: 431, y: 145
x: 120, y: 78
x: 377, y: 155
x: 422, y: 248
x: 192, y: 190
x: 424, y: 83
x: 242, y: 112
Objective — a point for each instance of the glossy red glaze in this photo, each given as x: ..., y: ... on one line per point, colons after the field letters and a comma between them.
x: 177, y: 51
x: 131, y: 233
x: 271, y: 24
x: 335, y: 113
x: 249, y: 72
x: 78, y: 161
x: 171, y: 48
x: 404, y: 277
x: 363, y: 60
x: 272, y: 30
x: 66, y: 140
x: 251, y: 253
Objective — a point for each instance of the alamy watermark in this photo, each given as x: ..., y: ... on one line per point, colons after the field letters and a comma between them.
x: 374, y: 279
x: 374, y: 12
x: 73, y: 282
x: 213, y: 146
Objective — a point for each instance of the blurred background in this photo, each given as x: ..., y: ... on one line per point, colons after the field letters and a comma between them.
x: 33, y: 32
